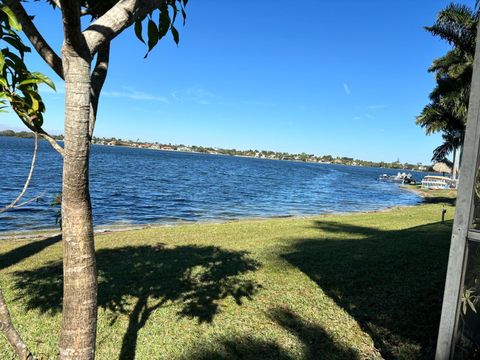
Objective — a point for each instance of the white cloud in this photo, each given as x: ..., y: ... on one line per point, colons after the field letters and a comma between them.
x: 125, y: 92
x: 197, y: 95
x: 133, y: 94
x: 258, y: 103
x: 346, y: 88
x: 201, y: 96
x: 357, y: 118
x: 176, y: 97
x: 376, y: 107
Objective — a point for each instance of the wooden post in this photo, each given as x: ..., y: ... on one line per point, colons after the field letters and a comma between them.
x: 463, y: 219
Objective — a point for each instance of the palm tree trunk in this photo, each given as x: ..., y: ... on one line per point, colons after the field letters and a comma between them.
x: 460, y: 158
x: 79, y: 317
x: 454, y: 166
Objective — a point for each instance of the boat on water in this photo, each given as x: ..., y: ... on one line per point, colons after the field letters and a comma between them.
x: 401, y: 178
x: 438, y: 182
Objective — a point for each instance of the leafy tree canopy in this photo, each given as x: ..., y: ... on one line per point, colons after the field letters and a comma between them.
x: 158, y: 22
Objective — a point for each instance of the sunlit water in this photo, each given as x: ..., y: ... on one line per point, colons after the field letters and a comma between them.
x: 137, y: 186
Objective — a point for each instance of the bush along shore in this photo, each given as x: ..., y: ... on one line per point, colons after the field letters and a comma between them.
x: 354, y: 286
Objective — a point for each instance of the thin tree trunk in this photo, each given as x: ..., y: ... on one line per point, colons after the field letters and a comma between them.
x: 11, y: 333
x: 79, y: 317
x: 454, y: 166
x: 27, y: 182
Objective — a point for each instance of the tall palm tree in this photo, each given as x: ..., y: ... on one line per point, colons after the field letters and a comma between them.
x: 447, y: 111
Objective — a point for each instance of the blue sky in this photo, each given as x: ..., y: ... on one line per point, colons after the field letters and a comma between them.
x: 339, y: 77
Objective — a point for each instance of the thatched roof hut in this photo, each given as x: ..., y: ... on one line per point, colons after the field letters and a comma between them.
x: 443, y: 167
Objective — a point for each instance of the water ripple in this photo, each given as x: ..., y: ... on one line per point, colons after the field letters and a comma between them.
x: 136, y: 186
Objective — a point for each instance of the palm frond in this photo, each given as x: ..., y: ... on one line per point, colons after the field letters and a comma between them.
x: 435, y: 117
x: 443, y: 63
x: 456, y: 24
x: 441, y: 152
x: 451, y: 140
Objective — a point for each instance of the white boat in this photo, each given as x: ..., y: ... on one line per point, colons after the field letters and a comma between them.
x: 438, y: 182
x: 399, y: 178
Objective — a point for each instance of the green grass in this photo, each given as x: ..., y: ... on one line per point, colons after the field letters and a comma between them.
x: 434, y: 196
x: 356, y: 286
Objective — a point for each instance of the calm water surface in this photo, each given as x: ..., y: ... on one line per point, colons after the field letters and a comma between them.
x: 137, y: 186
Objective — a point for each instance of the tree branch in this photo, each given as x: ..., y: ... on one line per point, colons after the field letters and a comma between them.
x: 117, y: 19
x: 51, y: 140
x: 6, y: 326
x: 72, y: 25
x: 35, y: 198
x: 37, y: 40
x: 97, y: 80
x: 39, y: 130
x: 27, y: 182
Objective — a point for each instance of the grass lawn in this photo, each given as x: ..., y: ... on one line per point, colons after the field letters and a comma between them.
x: 439, y: 196
x: 356, y: 286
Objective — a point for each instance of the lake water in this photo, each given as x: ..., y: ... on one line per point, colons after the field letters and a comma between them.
x: 137, y: 186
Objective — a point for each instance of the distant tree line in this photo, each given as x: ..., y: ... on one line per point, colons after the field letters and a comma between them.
x: 261, y: 154
x: 25, y: 134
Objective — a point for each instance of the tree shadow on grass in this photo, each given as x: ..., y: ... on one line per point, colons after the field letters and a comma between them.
x: 137, y: 280
x: 451, y: 201
x: 315, y: 341
x: 391, y: 282
x: 25, y: 251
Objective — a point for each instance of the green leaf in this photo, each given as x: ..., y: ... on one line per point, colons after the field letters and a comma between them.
x: 163, y: 22
x: 29, y: 82
x: 472, y: 306
x: 176, y: 36
x: 34, y: 102
x: 12, y: 19
x: 174, y: 12
x: 2, y: 62
x: 18, y: 63
x: 138, y: 31
x: 3, y: 82
x: 184, y: 15
x: 152, y: 35
x: 16, y: 42
x: 44, y: 79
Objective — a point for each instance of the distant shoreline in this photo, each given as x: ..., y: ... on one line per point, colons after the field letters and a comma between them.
x: 256, y: 154
x: 110, y: 228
